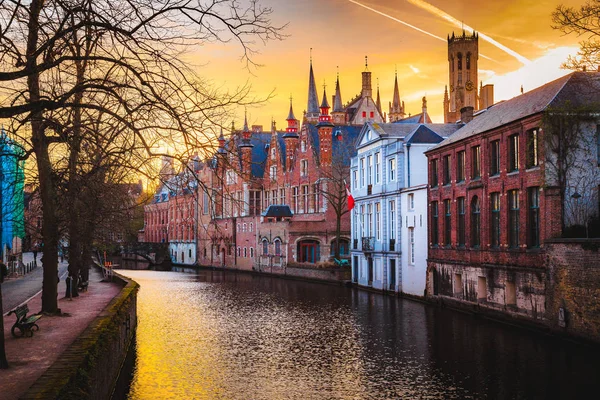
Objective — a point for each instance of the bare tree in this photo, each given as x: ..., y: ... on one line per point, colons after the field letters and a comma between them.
x: 583, y: 22
x: 133, y: 73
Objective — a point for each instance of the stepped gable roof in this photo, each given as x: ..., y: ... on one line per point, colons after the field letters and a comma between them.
x: 342, y: 149
x: 278, y: 211
x: 576, y: 89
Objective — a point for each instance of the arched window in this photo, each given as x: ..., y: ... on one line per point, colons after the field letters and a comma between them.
x: 344, y: 247
x: 475, y: 222
x: 265, y: 245
x: 459, y: 58
x: 252, y: 252
x: 468, y: 61
x: 309, y: 251
x: 277, y: 243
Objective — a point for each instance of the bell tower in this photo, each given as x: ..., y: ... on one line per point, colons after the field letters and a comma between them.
x: 463, y: 53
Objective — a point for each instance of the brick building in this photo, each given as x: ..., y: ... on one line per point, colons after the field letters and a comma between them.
x: 497, y: 194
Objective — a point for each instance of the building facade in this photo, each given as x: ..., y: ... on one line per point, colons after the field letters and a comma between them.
x: 506, y: 183
x: 389, y: 221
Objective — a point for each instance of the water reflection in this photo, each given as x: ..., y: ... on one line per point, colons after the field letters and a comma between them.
x: 218, y: 335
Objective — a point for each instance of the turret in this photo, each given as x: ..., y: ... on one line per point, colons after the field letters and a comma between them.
x: 325, y: 128
x: 396, y: 108
x: 291, y: 138
x: 245, y: 147
x: 367, y: 90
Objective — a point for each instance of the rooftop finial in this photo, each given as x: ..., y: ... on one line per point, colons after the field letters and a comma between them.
x: 311, y: 55
x: 366, y: 62
x: 338, y: 72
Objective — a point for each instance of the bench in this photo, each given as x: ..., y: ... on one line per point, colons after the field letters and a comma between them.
x: 341, y: 263
x: 24, y: 324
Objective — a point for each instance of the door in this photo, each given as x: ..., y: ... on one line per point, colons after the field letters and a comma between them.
x: 392, y: 274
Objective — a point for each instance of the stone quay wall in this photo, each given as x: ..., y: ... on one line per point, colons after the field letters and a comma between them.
x: 573, y: 297
x: 90, y: 367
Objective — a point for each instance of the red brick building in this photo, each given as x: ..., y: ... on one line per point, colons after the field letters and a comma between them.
x: 495, y: 196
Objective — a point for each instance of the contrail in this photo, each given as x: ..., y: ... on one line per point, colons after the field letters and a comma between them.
x: 436, y: 11
x: 410, y: 26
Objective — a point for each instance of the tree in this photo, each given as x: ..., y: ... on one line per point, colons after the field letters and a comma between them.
x: 583, y: 22
x: 571, y: 165
x: 131, y: 69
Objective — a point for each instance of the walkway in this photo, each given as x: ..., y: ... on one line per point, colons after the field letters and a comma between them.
x: 30, y: 357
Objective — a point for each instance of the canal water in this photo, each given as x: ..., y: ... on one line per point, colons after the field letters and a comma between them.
x: 226, y: 335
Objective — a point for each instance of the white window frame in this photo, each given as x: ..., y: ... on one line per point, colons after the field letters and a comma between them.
x: 392, y: 168
x: 377, y: 168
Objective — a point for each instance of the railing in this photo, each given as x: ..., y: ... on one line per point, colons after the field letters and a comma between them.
x: 368, y: 243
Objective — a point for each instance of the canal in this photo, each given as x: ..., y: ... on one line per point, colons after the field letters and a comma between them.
x: 226, y: 335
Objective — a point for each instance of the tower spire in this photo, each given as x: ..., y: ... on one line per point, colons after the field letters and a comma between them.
x: 337, y: 105
x: 312, y: 110
x: 291, y: 113
x: 378, y: 102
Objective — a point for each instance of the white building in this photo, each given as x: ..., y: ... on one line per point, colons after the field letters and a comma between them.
x: 389, y: 220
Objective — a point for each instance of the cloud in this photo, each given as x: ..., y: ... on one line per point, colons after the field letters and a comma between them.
x: 414, y: 69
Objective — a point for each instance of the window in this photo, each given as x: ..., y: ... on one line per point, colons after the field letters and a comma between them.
x: 475, y: 222
x: 434, y: 223
x: 295, y: 199
x: 459, y: 57
x: 245, y: 252
x: 354, y: 179
x: 304, y: 167
x: 446, y: 166
x: 447, y: 222
x: 411, y: 246
x: 316, y: 196
x: 495, y: 222
x: 251, y: 252
x: 369, y: 170
x: 190, y: 253
x: 277, y: 243
x: 250, y: 227
x: 434, y: 173
x: 273, y: 172
x: 362, y: 172
x: 411, y: 201
x: 364, y: 114
x: 494, y: 157
x: 265, y: 246
x: 392, y: 207
x: 533, y: 223
x: 254, y: 202
x: 274, y: 197
x: 513, y: 218
x: 303, y: 146
x: 392, y: 168
x: 372, y: 114
x: 273, y: 153
x: 282, y: 196
x: 377, y: 167
x: 460, y: 80
x: 362, y: 221
x: 475, y: 162
x: 532, y: 149
x: 305, y: 198
x: 460, y: 202
x: 468, y: 61
x: 205, y: 203
x: 378, y: 221
x: 460, y: 166
x: 309, y: 251
x: 513, y: 153
x: 370, y: 219
x: 239, y: 251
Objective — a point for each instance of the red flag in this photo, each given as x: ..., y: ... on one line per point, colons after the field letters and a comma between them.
x: 350, y: 199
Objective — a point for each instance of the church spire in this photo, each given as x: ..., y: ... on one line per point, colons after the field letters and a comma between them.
x: 396, y: 99
x: 291, y: 116
x: 337, y: 104
x: 378, y: 103
x: 312, y: 110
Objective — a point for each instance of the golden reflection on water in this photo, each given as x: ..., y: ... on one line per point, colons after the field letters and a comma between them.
x: 243, y: 338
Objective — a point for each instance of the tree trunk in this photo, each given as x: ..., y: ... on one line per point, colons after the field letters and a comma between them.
x: 3, y: 361
x: 44, y: 165
x: 338, y: 233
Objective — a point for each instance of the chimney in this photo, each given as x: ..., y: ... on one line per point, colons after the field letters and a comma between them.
x: 466, y: 114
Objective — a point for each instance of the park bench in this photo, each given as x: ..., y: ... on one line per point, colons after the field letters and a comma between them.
x: 24, y: 324
x: 341, y: 263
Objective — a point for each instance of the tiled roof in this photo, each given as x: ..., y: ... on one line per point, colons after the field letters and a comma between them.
x: 395, y: 130
x: 577, y: 89
x: 278, y: 211
x: 342, y: 149
x: 415, y: 119
x: 423, y: 134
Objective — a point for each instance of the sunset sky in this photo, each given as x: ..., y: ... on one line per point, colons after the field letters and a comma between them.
x: 516, y: 38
